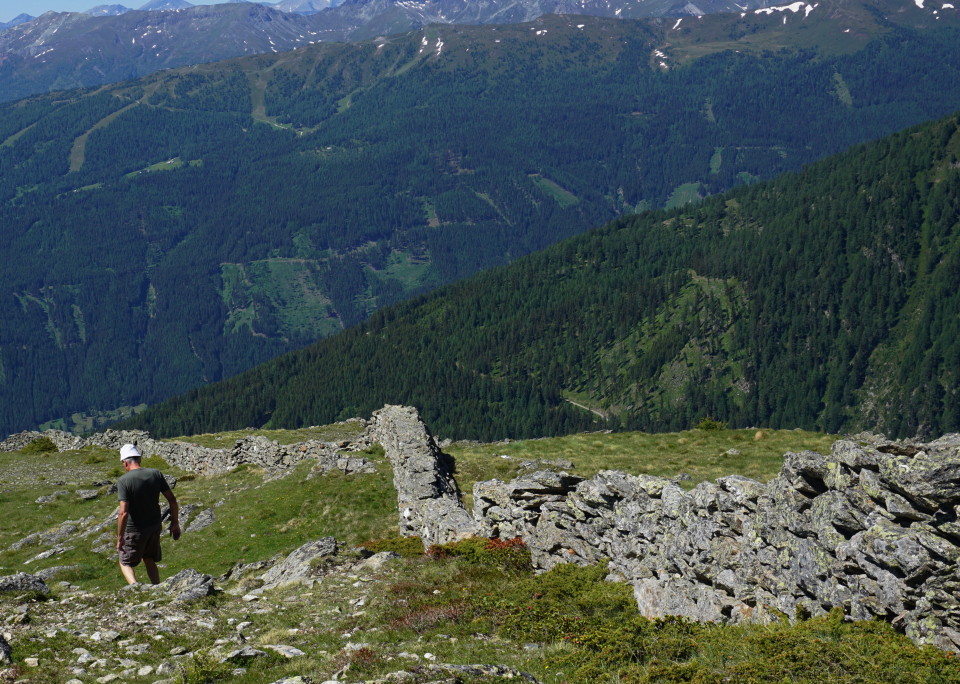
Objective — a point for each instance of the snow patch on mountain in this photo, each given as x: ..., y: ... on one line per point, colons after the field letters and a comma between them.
x: 793, y: 7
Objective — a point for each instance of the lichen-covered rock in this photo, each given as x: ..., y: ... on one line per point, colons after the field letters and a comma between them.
x: 187, y: 585
x: 299, y: 565
x: 23, y: 582
x: 203, y: 519
x: 6, y: 652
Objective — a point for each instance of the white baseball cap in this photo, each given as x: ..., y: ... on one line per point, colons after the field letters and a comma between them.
x: 128, y: 451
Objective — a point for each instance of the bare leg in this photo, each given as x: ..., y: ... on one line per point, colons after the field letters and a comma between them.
x: 128, y: 574
x: 152, y: 572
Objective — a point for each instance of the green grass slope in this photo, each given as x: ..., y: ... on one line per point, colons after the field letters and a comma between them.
x: 825, y: 299
x: 176, y: 230
x: 468, y: 603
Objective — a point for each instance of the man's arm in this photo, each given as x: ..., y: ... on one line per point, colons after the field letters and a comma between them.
x: 122, y: 523
x: 174, y: 513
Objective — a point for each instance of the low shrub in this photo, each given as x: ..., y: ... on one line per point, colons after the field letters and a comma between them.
x: 408, y: 547
x: 41, y: 445
x: 711, y: 424
x: 510, y: 555
x: 422, y: 619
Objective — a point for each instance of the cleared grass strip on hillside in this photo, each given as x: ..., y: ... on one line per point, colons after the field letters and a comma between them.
x: 79, y: 150
x: 563, y: 197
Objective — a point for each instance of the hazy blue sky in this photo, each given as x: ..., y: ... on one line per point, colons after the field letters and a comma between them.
x: 11, y: 8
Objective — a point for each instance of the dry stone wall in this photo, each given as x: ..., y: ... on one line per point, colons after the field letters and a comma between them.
x: 871, y: 528
x: 427, y: 495
x: 254, y: 449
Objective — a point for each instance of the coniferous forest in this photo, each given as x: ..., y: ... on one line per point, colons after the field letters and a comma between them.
x: 176, y: 230
x: 825, y: 299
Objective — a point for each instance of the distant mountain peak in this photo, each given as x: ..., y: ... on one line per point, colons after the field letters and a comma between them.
x: 19, y: 19
x: 107, y: 10
x: 164, y: 5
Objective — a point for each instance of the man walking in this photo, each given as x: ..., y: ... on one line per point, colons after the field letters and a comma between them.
x: 138, y: 526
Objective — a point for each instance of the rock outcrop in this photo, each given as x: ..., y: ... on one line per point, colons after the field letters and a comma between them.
x: 871, y: 528
x: 300, y: 564
x: 22, y: 582
x: 186, y: 585
x: 427, y: 495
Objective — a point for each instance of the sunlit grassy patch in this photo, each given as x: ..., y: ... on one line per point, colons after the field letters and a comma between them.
x: 337, y: 432
x: 701, y: 454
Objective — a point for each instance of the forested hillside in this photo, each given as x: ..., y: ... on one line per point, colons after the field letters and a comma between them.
x: 827, y: 299
x: 179, y: 229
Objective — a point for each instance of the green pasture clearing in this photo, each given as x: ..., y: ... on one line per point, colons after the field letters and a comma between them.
x: 295, y: 306
x: 716, y: 160
x: 81, y: 422
x: 166, y: 165
x: 563, y: 197
x: 407, y: 269
x: 684, y: 194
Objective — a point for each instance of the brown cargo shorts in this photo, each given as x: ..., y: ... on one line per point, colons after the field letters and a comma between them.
x: 138, y: 545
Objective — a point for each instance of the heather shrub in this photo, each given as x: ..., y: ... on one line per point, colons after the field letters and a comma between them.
x: 41, y: 445
x: 408, y: 547
x: 711, y: 424
x: 509, y: 555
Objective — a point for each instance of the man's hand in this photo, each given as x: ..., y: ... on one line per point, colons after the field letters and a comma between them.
x: 175, y: 530
x: 119, y: 543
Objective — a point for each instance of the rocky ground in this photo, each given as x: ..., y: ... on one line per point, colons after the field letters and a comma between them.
x: 860, y: 540
x: 299, y: 615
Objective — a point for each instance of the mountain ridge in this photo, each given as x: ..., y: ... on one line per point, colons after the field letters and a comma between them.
x: 39, y: 55
x: 142, y: 260
x: 667, y: 318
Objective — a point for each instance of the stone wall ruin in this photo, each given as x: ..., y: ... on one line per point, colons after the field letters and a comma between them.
x: 870, y: 528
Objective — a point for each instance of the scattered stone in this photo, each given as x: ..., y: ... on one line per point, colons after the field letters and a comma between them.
x: 48, y: 573
x: 6, y: 652
x: 475, y: 672
x: 242, y: 655
x: 88, y: 494
x: 51, y: 497
x: 378, y: 560
x: 285, y: 651
x: 31, y: 662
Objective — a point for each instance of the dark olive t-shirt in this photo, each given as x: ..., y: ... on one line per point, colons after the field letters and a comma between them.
x: 141, y: 489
